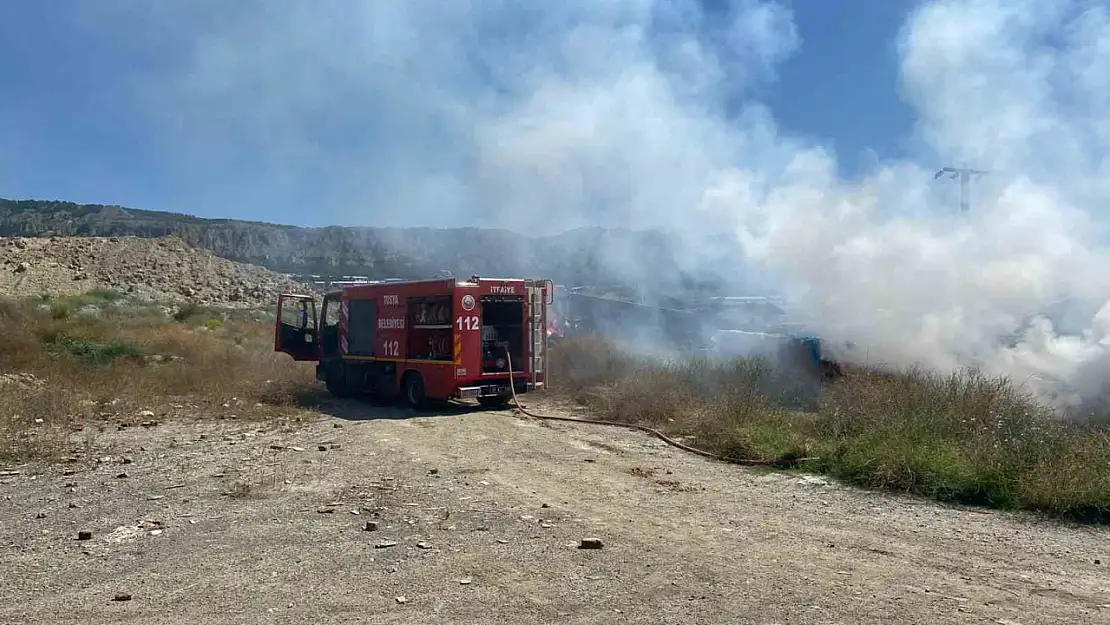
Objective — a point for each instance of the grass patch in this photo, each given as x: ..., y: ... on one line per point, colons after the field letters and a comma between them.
x: 103, y: 295
x: 60, y: 369
x: 95, y: 353
x: 62, y: 307
x: 964, y: 438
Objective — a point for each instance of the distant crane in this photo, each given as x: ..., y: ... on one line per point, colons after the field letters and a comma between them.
x: 963, y: 174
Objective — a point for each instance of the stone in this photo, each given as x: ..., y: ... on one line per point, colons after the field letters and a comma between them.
x: 590, y: 543
x: 84, y: 535
x: 371, y: 526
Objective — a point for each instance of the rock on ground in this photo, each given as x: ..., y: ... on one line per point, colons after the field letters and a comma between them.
x: 156, y: 269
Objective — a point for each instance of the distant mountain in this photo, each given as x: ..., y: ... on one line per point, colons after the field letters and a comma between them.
x: 627, y: 260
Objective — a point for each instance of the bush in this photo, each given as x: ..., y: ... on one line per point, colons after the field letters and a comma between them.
x: 187, y: 311
x: 963, y: 437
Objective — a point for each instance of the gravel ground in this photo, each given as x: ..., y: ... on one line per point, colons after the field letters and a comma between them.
x: 365, y: 515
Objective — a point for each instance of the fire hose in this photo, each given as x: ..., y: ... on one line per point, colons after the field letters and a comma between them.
x: 784, y: 462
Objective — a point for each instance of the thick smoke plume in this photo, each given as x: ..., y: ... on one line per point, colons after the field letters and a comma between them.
x: 541, y: 116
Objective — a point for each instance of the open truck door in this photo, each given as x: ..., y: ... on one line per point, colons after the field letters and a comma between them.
x: 296, y: 327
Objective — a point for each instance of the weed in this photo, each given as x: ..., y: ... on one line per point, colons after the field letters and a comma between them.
x: 963, y: 437
x: 240, y: 490
x: 115, y: 364
x: 60, y: 310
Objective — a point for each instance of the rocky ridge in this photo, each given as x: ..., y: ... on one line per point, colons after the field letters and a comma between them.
x: 161, y: 269
x: 585, y: 256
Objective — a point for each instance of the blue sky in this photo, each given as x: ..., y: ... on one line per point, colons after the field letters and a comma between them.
x: 75, y: 121
x: 842, y: 86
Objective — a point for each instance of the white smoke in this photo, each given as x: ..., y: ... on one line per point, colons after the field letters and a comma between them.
x: 641, y: 113
x: 1017, y: 88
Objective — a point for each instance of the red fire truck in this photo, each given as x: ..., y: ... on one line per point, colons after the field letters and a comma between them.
x: 423, y: 339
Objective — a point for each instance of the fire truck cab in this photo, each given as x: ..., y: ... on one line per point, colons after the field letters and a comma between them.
x: 423, y: 340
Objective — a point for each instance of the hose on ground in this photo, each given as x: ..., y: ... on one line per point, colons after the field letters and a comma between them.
x: 783, y: 462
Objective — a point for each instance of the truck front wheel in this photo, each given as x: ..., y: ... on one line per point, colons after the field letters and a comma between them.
x: 335, y: 378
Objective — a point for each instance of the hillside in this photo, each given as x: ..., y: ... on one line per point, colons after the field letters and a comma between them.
x: 584, y: 256
x: 159, y: 269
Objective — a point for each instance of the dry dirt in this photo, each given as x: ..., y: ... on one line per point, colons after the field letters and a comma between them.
x: 479, y: 517
x: 155, y: 269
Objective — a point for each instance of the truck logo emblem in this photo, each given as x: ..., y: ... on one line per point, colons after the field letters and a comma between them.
x: 468, y: 302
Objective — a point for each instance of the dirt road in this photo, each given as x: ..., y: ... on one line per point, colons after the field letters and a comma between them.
x: 479, y: 517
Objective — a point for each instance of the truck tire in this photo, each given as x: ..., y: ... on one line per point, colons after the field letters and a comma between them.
x: 412, y: 390
x: 335, y: 378
x: 494, y: 402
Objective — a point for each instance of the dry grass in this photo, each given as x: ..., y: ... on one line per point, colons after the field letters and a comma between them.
x: 963, y: 438
x: 100, y: 357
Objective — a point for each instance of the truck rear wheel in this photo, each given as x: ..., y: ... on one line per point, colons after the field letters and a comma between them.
x: 494, y: 401
x: 412, y: 389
